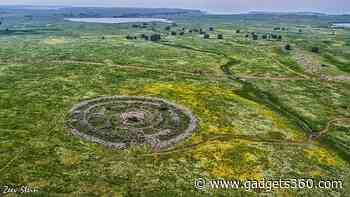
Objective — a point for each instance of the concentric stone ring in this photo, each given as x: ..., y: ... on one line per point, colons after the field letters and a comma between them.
x: 121, y: 121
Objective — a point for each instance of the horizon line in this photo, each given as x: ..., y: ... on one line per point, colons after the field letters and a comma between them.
x: 206, y: 11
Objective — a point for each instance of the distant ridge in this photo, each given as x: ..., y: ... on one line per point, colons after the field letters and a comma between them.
x: 89, y: 11
x: 287, y: 13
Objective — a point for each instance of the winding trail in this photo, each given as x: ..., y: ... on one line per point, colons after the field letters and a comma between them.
x: 326, y: 129
x: 250, y: 138
x: 209, y: 76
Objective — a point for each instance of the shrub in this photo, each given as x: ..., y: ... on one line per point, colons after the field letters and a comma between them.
x: 315, y: 49
x: 288, y: 47
x: 155, y: 37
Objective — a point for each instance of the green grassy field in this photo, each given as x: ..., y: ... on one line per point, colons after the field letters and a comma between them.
x: 256, y: 104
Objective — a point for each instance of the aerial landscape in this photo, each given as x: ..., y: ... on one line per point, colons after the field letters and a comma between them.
x: 122, y: 101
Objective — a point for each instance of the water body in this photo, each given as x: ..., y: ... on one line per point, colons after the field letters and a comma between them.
x: 118, y: 20
x: 346, y: 25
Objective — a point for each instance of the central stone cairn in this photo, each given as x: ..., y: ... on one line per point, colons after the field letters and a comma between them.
x: 118, y: 122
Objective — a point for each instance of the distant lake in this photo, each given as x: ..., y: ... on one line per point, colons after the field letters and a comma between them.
x: 118, y: 20
x: 342, y: 25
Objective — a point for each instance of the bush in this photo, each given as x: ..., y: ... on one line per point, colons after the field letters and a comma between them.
x: 144, y: 36
x: 288, y: 47
x: 128, y: 37
x: 315, y: 49
x: 155, y: 37
x: 206, y: 36
x: 220, y: 37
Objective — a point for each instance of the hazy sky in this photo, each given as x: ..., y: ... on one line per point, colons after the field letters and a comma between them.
x: 327, y: 6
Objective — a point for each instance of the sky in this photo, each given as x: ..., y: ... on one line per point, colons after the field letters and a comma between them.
x: 213, y: 6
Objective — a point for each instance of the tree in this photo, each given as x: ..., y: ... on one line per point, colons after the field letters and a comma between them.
x: 129, y: 37
x: 238, y: 31
x: 255, y: 36
x: 173, y: 33
x: 264, y: 37
x: 167, y: 28
x: 211, y: 28
x: 315, y: 49
x: 144, y: 36
x: 220, y: 37
x: 182, y: 33
x: 155, y: 37
x: 279, y: 37
x: 300, y: 30
x: 288, y: 47
x: 206, y: 36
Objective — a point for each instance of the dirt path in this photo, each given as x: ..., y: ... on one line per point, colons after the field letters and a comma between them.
x: 326, y: 129
x: 275, y: 78
x: 251, y: 138
x: 147, y: 68
x: 162, y: 70
x: 230, y: 137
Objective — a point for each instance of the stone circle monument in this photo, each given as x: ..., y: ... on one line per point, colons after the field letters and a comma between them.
x: 121, y: 121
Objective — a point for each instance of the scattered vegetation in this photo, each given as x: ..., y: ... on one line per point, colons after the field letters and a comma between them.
x: 263, y: 113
